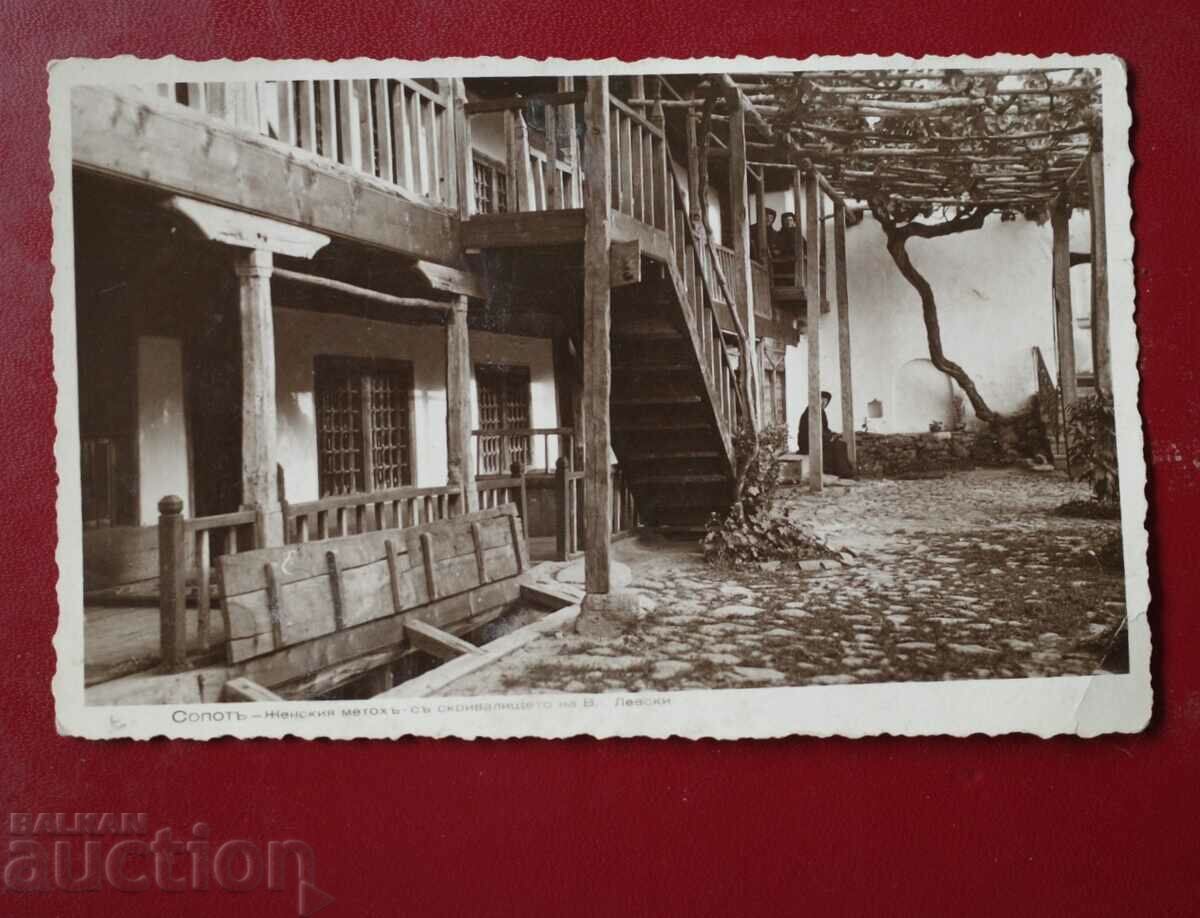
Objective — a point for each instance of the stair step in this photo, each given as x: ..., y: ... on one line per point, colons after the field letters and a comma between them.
x: 676, y: 454
x: 658, y: 400
x: 658, y: 428
x: 680, y: 479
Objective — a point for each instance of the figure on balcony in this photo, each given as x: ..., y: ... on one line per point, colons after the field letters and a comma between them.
x: 772, y: 235
x: 835, y: 458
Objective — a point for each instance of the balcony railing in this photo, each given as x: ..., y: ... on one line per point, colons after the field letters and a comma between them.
x: 396, y: 130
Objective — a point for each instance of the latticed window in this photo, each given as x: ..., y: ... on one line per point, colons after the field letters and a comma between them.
x: 491, y: 193
x: 503, y: 407
x: 364, y: 424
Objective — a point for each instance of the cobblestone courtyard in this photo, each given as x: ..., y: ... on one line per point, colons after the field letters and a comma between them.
x: 963, y: 577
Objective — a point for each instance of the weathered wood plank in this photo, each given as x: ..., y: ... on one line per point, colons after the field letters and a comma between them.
x: 243, y: 689
x: 597, y: 332
x: 537, y: 228
x: 175, y: 148
x: 740, y: 282
x: 436, y: 642
x: 1101, y: 343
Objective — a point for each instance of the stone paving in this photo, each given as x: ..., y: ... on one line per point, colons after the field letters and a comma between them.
x: 967, y: 576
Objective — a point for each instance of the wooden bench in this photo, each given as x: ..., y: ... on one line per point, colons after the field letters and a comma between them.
x: 302, y: 619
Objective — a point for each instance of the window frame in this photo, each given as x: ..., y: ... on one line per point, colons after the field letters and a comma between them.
x: 365, y: 367
x: 499, y: 182
x: 507, y: 371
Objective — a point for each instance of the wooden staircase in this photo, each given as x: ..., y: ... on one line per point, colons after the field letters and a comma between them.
x: 666, y: 431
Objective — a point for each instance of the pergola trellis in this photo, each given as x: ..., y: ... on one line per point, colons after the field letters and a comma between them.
x: 931, y: 153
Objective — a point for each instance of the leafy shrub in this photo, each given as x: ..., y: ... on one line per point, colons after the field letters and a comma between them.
x: 1111, y: 553
x: 1092, y: 446
x: 1088, y: 510
x: 754, y: 529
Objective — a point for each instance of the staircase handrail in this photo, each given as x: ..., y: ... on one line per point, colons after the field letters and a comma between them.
x: 739, y: 329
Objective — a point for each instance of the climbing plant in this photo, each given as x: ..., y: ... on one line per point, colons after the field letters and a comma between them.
x: 1092, y: 446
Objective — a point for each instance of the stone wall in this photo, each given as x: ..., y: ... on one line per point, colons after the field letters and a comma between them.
x: 1015, y: 438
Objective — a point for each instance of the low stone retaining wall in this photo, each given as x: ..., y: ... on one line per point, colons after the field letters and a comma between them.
x: 890, y: 455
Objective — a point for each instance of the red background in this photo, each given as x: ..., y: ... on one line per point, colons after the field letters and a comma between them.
x: 419, y: 827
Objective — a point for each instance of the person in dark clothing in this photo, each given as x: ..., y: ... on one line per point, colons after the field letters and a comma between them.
x: 834, y: 456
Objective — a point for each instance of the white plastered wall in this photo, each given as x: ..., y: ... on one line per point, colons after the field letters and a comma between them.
x: 301, y: 335
x: 163, y: 466
x: 993, y: 287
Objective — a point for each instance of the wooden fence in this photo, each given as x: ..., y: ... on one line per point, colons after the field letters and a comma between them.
x: 350, y: 514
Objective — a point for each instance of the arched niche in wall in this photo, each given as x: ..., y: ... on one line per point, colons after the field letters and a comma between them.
x: 923, y: 394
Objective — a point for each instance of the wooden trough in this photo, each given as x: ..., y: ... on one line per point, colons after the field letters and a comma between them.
x: 303, y: 620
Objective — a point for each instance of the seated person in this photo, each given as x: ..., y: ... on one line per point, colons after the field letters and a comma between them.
x: 834, y: 455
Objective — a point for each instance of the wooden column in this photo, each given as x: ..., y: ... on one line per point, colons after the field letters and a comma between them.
x: 464, y: 155
x: 1064, y: 320
x: 1101, y: 343
x: 798, y: 237
x: 597, y: 328
x: 572, y: 191
x: 740, y: 284
x: 172, y: 580
x: 764, y: 243
x: 812, y: 294
x: 842, y: 283
x: 259, y: 481
x: 458, y: 405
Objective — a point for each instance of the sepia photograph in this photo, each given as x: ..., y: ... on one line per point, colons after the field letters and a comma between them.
x: 543, y: 398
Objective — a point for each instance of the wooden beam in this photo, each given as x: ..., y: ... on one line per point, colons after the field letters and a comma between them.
x: 518, y: 230
x: 451, y: 280
x: 625, y: 263
x: 244, y: 230
x: 167, y: 146
x: 517, y: 102
x: 1064, y: 319
x: 436, y: 642
x: 741, y: 281
x: 597, y: 331
x: 812, y: 292
x: 842, y: 285
x: 458, y: 404
x: 257, y: 324
x: 1101, y: 344
x: 328, y: 283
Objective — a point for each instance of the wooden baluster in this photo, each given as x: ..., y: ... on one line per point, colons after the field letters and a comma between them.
x: 322, y: 525
x: 360, y: 518
x: 464, y: 157
x: 624, y: 142
x: 348, y: 124
x: 526, y: 190
x: 382, y: 111
x: 195, y: 97
x: 215, y: 100
x: 572, y: 193
x: 437, y: 176
x: 286, y: 100
x: 798, y: 260
x: 401, y: 136
x: 419, y: 146
x: 636, y: 173
x: 380, y: 509
x: 651, y: 207
x: 302, y: 534
x: 614, y: 155
x: 326, y: 97
x: 203, y: 581
x: 512, y: 165
x: 553, y: 198
x: 306, y: 115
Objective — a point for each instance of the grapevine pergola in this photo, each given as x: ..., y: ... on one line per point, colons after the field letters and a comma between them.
x: 930, y: 152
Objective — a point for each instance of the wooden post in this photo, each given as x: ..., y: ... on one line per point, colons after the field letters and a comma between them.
x: 562, y: 497
x: 572, y: 191
x: 464, y: 156
x: 798, y: 269
x: 1064, y: 319
x: 550, y: 176
x: 259, y: 483
x: 517, y: 470
x: 172, y: 574
x: 1101, y: 344
x: 597, y: 328
x: 458, y: 405
x: 812, y: 294
x: 740, y: 284
x: 843, y: 311
x: 764, y: 243
x: 522, y: 168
